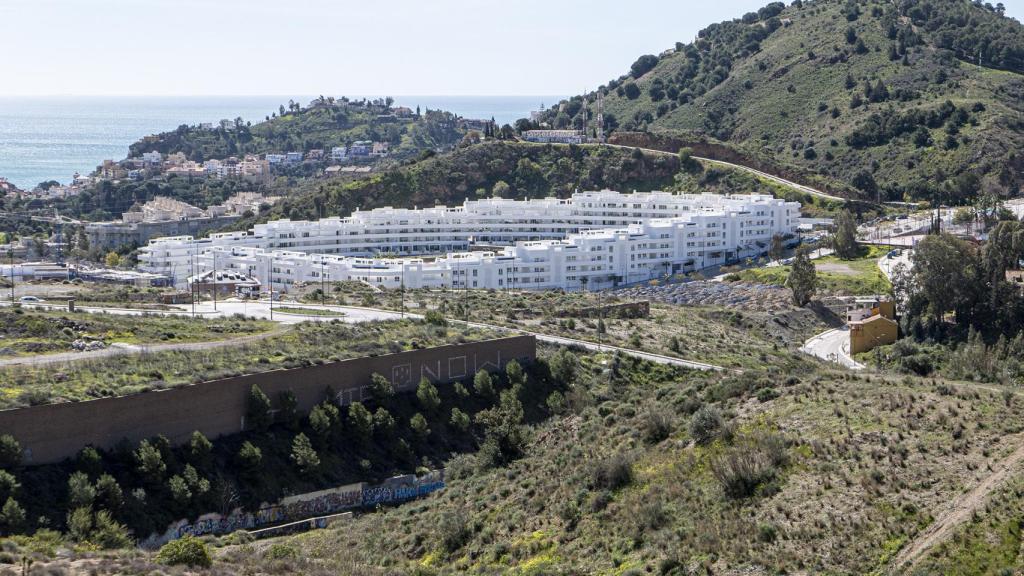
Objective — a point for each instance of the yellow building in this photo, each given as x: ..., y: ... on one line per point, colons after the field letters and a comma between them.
x: 870, y: 332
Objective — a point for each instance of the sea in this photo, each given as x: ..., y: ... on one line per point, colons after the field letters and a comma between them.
x: 51, y: 137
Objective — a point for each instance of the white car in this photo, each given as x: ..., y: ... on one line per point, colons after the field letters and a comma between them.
x: 29, y: 299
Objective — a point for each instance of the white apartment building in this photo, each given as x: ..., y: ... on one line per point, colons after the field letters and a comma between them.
x: 678, y: 232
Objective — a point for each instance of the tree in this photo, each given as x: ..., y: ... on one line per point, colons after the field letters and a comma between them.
x: 150, y: 461
x: 249, y: 456
x: 460, y: 419
x: 632, y: 90
x: 844, y: 242
x: 304, y: 455
x: 12, y: 515
x: 515, y: 374
x: 199, y: 448
x: 10, y: 452
x: 564, y: 366
x: 687, y: 163
x: 360, y: 420
x: 504, y: 437
x: 643, y: 65
x: 81, y: 492
x: 288, y: 414
x: 427, y: 395
x: 483, y: 384
x: 108, y: 493
x: 189, y: 551
x: 419, y: 425
x: 8, y: 485
x: 257, y: 414
x: 112, y: 259
x: 381, y: 389
x: 383, y: 422
x: 942, y: 272
x: 501, y: 189
x: 803, y: 278
x: 777, y: 248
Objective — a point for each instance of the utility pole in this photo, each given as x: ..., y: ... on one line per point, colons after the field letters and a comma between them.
x: 192, y: 285
x: 402, y: 310
x: 270, y: 275
x: 600, y: 116
x: 10, y: 253
x: 214, y: 252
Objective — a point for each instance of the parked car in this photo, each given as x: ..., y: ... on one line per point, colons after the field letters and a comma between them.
x: 29, y: 299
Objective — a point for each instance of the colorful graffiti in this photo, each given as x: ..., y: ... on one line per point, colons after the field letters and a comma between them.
x: 309, y: 506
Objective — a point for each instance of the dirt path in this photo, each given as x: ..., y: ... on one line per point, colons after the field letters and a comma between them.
x: 957, y: 512
x: 119, y: 349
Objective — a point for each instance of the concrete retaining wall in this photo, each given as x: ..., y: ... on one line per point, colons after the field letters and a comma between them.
x: 53, y: 432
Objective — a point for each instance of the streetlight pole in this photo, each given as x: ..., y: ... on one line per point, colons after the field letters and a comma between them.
x: 270, y: 274
x: 10, y: 253
x: 402, y: 309
x: 214, y: 252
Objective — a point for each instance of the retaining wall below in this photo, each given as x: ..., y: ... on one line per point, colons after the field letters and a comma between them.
x: 216, y: 408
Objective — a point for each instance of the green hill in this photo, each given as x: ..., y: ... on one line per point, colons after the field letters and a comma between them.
x: 507, y: 169
x: 325, y: 123
x: 875, y: 99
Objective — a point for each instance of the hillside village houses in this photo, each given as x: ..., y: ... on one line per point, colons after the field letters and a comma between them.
x: 600, y: 239
x: 164, y: 216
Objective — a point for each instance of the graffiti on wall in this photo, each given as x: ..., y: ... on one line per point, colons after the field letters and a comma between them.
x: 306, y: 506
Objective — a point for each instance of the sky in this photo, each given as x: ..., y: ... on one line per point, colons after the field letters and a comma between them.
x: 339, y: 47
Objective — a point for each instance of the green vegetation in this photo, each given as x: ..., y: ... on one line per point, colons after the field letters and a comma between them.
x: 724, y: 336
x: 508, y: 169
x: 104, y: 497
x: 859, y: 276
x: 303, y: 345
x: 871, y: 99
x: 28, y: 332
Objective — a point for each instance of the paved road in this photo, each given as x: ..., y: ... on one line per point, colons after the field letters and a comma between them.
x: 832, y: 346
x: 561, y: 340
x: 888, y: 265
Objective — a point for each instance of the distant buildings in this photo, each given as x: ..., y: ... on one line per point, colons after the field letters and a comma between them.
x: 555, y: 136
x: 164, y: 216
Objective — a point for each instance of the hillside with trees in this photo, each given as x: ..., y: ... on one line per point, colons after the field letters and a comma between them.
x: 494, y: 168
x: 321, y: 125
x: 915, y: 99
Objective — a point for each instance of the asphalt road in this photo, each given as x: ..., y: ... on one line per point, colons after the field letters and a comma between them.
x: 832, y: 346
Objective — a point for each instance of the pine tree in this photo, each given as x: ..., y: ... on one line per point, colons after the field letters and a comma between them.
x: 803, y: 278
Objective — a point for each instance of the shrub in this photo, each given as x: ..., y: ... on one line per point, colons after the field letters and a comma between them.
x: 189, y: 551
x: 383, y: 422
x: 289, y: 412
x: 453, y: 531
x: 747, y: 469
x: 435, y: 318
x: 613, y: 472
x: 108, y: 493
x: 89, y: 461
x: 323, y: 417
x: 657, y: 426
x: 281, y: 551
x: 706, y: 425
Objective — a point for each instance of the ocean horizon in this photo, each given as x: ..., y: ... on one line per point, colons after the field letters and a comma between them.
x: 51, y: 137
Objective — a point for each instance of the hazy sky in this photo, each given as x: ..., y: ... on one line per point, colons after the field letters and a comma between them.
x: 475, y: 47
